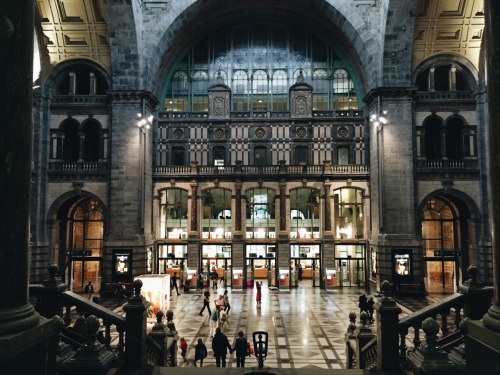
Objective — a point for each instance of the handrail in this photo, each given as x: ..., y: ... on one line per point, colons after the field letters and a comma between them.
x: 455, y: 300
x: 70, y: 298
x: 108, y: 317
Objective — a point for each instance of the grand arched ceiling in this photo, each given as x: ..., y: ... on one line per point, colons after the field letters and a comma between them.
x: 71, y: 29
x: 448, y: 27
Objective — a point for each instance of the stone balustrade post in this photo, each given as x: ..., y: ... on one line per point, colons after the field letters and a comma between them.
x: 363, y: 336
x: 159, y: 335
x: 387, y: 328
x: 136, y: 319
x: 478, y: 298
x: 429, y: 358
x: 50, y: 299
x: 93, y: 357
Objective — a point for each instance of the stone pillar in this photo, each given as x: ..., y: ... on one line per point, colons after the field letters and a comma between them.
x: 328, y: 207
x: 25, y: 339
x: 237, y: 199
x: 483, y: 336
x: 387, y: 328
x: 135, y: 344
x: 16, y: 62
x: 492, y: 18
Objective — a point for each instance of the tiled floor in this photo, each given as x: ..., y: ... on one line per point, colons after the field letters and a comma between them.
x: 306, y: 325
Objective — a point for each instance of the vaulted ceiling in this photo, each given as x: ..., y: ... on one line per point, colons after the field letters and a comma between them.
x: 71, y: 29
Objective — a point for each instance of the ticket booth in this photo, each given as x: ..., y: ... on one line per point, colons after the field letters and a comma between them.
x: 156, y: 290
x: 330, y: 279
x: 237, y: 278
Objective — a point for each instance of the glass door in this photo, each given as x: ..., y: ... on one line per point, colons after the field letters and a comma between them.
x: 440, y: 276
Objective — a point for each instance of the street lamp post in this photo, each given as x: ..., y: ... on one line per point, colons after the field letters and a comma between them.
x: 143, y: 123
x: 379, y: 120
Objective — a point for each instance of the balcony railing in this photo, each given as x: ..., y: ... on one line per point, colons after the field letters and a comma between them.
x: 261, y: 115
x: 78, y: 167
x: 363, y: 170
x: 79, y: 99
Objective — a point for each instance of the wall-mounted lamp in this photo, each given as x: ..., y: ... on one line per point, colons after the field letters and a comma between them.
x: 378, y: 119
x: 143, y: 122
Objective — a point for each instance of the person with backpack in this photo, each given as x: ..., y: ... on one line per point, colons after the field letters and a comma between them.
x: 214, y: 322
x: 200, y: 352
x: 89, y: 290
x: 241, y: 348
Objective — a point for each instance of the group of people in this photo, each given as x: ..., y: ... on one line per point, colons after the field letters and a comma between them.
x: 220, y: 347
x: 365, y: 304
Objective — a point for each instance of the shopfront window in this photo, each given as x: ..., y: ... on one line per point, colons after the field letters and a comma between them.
x: 304, y: 213
x: 173, y: 211
x: 216, y: 208
x: 350, y: 213
x: 172, y: 258
x: 260, y: 213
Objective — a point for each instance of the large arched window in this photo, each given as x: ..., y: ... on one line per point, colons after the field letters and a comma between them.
x: 85, y: 243
x: 454, y: 138
x: 71, y: 140
x: 349, y: 209
x: 173, y: 214
x: 92, y: 142
x: 216, y: 213
x: 441, y: 242
x: 259, y: 62
x: 432, y: 142
x: 260, y: 217
x: 304, y: 213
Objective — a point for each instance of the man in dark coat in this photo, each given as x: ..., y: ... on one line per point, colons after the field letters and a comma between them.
x: 220, y: 344
x: 241, y: 349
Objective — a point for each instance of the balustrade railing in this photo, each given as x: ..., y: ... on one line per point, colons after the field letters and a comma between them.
x: 100, y: 167
x: 263, y: 170
x: 108, y: 317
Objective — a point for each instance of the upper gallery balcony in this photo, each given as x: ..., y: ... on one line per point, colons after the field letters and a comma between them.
x: 327, y: 169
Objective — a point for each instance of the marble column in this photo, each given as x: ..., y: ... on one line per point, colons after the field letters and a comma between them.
x: 16, y: 64
x: 492, y: 18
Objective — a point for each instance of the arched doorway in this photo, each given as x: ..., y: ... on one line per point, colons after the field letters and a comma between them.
x: 79, y: 244
x: 445, y: 240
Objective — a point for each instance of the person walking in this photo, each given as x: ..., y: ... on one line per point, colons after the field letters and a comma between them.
x: 184, y: 347
x: 370, y: 309
x: 89, y: 290
x: 300, y: 272
x: 241, y: 349
x: 174, y: 283
x: 214, y: 276
x: 258, y: 297
x: 220, y: 345
x: 200, y: 353
x: 206, y: 303
x: 363, y: 303
x: 227, y: 306
x: 214, y: 322
x: 219, y: 303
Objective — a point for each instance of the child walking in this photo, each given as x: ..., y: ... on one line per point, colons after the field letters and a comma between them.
x: 184, y: 347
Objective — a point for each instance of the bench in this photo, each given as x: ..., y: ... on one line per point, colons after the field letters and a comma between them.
x: 410, y: 290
